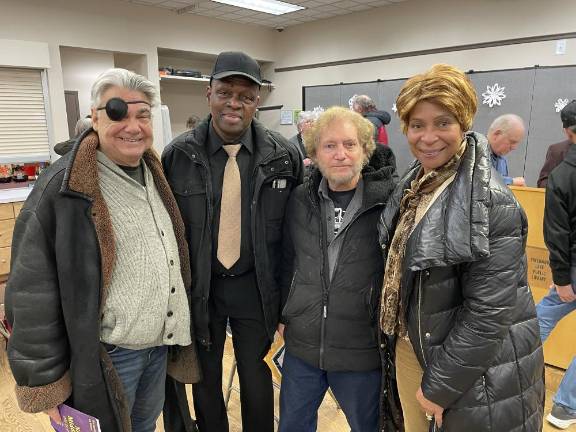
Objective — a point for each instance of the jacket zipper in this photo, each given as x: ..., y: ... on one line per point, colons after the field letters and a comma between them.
x: 326, y: 291
x: 325, y: 288
x: 487, y: 402
x: 420, y: 317
x: 208, y: 187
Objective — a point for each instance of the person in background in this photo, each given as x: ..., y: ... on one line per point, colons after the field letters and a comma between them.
x: 560, y: 238
x: 455, y: 292
x: 504, y: 135
x: 81, y: 125
x: 557, y: 152
x: 332, y: 264
x: 305, y: 121
x: 192, y: 121
x: 98, y: 291
x: 232, y: 178
x: 365, y: 106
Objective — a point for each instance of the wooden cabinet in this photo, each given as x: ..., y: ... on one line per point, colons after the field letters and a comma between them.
x: 558, y: 349
x: 5, y: 260
x: 8, y: 214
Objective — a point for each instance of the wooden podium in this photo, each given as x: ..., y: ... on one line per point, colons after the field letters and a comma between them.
x: 559, y: 348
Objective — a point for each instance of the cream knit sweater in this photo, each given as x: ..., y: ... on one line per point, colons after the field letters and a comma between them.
x: 147, y: 304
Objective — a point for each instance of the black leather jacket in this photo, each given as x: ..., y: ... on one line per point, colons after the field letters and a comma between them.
x: 469, y: 311
x: 187, y: 169
x: 63, y: 257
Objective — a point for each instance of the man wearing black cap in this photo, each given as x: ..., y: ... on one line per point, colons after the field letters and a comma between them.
x: 560, y: 238
x: 232, y: 178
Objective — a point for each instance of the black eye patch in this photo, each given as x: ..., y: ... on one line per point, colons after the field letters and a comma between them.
x: 117, y: 108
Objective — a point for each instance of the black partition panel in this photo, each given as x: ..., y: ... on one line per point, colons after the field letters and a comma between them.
x: 553, y: 88
x: 349, y: 90
x: 517, y: 87
x: 532, y: 93
x: 387, y: 94
x: 321, y: 96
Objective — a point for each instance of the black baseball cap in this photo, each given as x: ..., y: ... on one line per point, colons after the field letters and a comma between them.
x: 232, y: 63
x: 568, y: 115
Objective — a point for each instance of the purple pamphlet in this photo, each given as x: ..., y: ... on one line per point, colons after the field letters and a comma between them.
x: 75, y: 421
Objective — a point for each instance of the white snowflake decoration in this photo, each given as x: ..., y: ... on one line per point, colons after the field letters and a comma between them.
x: 560, y: 104
x: 317, y: 111
x: 351, y: 101
x: 394, y: 108
x: 493, y: 95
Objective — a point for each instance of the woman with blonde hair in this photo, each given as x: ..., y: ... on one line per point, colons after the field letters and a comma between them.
x: 455, y: 294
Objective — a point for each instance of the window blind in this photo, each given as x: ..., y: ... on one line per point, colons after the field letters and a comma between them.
x: 23, y: 123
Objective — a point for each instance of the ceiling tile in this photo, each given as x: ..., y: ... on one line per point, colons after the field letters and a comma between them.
x: 360, y: 7
x: 148, y: 2
x: 345, y: 4
x: 211, y: 13
x: 312, y: 4
x: 172, y: 5
x: 245, y: 12
x: 315, y: 10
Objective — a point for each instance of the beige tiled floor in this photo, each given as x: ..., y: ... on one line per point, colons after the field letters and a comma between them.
x: 330, y: 418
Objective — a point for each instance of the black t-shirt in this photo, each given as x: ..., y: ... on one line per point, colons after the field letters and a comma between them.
x: 136, y: 173
x: 341, y: 201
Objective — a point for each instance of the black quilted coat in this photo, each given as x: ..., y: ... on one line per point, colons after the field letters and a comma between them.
x: 468, y: 308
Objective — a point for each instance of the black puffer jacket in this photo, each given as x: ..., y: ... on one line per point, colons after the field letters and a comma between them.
x: 470, y: 314
x: 333, y: 325
x: 187, y: 169
x: 560, y: 218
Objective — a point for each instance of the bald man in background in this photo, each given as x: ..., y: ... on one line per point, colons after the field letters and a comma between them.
x: 504, y: 135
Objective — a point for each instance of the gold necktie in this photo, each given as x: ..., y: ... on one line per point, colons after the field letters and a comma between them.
x: 230, y: 210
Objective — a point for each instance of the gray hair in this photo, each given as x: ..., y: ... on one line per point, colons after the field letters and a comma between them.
x: 123, y: 78
x: 82, y: 125
x: 365, y: 102
x: 304, y: 116
x: 504, y: 122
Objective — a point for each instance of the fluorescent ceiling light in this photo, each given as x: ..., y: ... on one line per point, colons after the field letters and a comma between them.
x: 273, y: 7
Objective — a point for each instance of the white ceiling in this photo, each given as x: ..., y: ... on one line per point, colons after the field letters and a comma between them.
x: 315, y: 10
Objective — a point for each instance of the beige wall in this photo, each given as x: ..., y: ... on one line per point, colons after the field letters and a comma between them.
x: 24, y: 54
x: 113, y: 25
x: 80, y: 68
x: 419, y: 25
x: 116, y: 26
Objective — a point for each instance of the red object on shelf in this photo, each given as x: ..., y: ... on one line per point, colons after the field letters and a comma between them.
x: 30, y: 170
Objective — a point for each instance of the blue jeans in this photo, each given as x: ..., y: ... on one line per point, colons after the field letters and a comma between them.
x: 550, y: 311
x: 143, y: 376
x: 303, y: 389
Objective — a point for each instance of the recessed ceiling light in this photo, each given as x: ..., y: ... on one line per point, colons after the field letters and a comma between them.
x: 273, y: 7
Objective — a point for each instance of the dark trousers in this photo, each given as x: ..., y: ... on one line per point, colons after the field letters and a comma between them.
x: 236, y: 299
x: 304, y: 387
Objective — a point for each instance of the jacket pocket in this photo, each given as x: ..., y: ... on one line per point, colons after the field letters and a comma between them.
x: 274, y: 197
x: 192, y: 202
x: 372, y: 297
x: 285, y: 309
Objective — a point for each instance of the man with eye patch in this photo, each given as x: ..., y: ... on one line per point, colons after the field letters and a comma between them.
x: 98, y: 295
x: 232, y: 177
